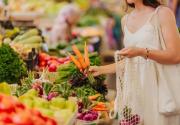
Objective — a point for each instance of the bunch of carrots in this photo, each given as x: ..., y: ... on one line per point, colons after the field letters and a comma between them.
x: 100, y: 106
x: 82, y: 62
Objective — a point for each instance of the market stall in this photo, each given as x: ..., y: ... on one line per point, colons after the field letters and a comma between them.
x: 51, y: 82
x: 46, y: 81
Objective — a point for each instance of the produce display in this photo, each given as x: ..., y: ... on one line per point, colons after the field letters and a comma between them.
x: 12, y: 67
x: 5, y: 88
x: 88, y: 21
x: 13, y: 112
x: 55, y: 107
x: 73, y: 80
x: 53, y: 98
x: 54, y: 87
x: 34, y: 7
x: 74, y: 95
x: 51, y: 62
x: 25, y: 40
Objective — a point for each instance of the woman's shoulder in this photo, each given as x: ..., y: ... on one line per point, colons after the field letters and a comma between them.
x: 124, y: 19
x: 165, y: 11
x: 165, y: 14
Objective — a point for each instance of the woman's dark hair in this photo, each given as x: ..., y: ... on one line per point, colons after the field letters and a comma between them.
x: 151, y: 3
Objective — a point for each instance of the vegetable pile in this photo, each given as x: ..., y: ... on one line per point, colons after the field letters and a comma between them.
x: 88, y: 21
x: 76, y: 75
x: 51, y: 62
x: 23, y: 40
x: 13, y: 112
x: 89, y: 90
x: 73, y: 90
x: 56, y: 107
x: 12, y: 67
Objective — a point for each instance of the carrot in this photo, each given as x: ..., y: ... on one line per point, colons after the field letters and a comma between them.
x: 100, y: 106
x: 86, y: 55
x: 99, y: 109
x: 80, y: 57
x: 100, y: 103
x: 94, y: 97
x: 75, y: 61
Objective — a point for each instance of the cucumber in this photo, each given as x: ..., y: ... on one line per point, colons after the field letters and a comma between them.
x: 17, y: 38
x: 29, y: 33
x: 33, y: 45
x: 33, y: 39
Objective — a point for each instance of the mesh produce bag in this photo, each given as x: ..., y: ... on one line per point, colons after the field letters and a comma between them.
x: 129, y: 98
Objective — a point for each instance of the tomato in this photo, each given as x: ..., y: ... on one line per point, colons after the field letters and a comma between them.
x: 52, y: 68
x: 20, y: 106
x: 62, y: 60
x: 43, y: 56
x: 35, y: 113
x: 22, y: 118
x: 38, y: 121
x: 1, y: 97
x: 54, y: 58
x: 51, y: 122
x: 5, y: 118
x: 42, y: 64
x: 6, y: 106
x: 53, y: 62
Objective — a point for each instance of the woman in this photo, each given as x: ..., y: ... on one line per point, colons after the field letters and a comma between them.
x: 175, y: 6
x: 141, y: 45
x: 67, y: 18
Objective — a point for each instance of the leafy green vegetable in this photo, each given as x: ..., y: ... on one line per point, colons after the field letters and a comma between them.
x: 71, y: 81
x: 62, y: 45
x: 12, y: 67
x: 26, y: 84
x: 88, y: 20
x: 78, y: 79
x: 47, y: 87
x: 63, y: 88
x: 65, y: 71
x: 95, y: 59
x: 85, y: 91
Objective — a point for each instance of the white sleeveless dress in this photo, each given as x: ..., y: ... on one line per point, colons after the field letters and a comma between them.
x: 145, y: 37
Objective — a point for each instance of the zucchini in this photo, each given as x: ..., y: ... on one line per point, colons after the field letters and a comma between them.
x: 33, y: 45
x: 33, y: 39
x: 29, y: 33
x: 17, y: 39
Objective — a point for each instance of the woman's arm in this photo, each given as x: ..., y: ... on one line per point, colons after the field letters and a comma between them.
x: 101, y: 70
x: 174, y: 5
x: 172, y: 40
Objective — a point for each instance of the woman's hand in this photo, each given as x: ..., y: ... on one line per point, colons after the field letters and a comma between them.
x: 102, y: 70
x: 96, y: 70
x: 132, y: 52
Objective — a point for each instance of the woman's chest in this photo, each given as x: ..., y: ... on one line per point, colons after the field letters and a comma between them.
x: 146, y: 36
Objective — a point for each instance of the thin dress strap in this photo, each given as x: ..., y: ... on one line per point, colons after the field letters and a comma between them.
x: 125, y: 22
x: 155, y: 12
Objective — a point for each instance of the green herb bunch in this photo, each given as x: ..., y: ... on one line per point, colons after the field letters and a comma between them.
x: 12, y: 67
